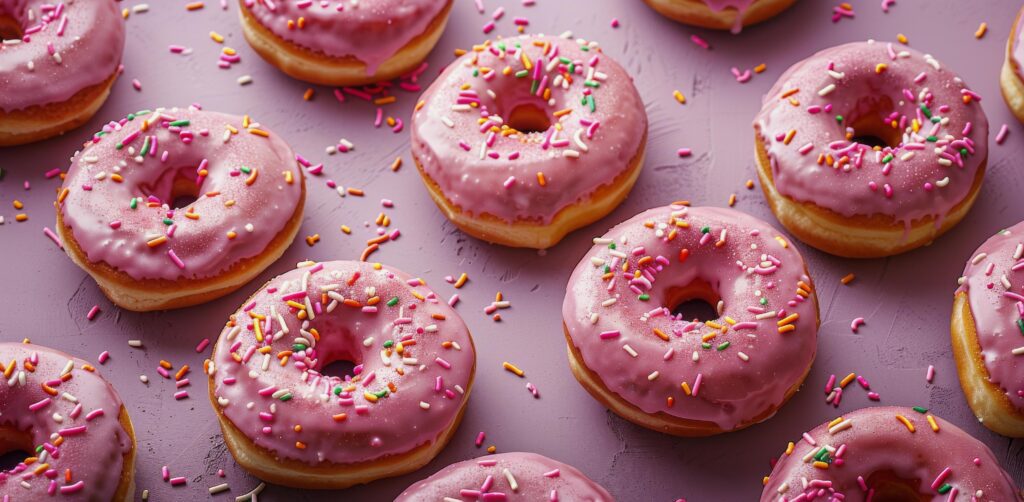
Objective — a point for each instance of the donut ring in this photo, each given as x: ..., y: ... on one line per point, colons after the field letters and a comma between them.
x: 826, y: 183
x: 888, y: 453
x: 560, y: 144
x: 507, y: 476
x: 115, y: 219
x: 731, y: 15
x: 987, y: 328
x: 690, y: 378
x: 88, y: 454
x: 287, y: 423
x: 61, y: 71
x: 345, y: 45
x: 1011, y: 78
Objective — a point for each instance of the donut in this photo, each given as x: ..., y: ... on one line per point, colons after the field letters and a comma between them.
x: 631, y: 349
x: 1011, y: 78
x: 887, y: 453
x: 507, y: 476
x: 58, y: 61
x: 988, y: 332
x: 71, y: 424
x: 344, y: 43
x: 870, y: 149
x: 124, y: 216
x: 287, y: 422
x: 522, y: 140
x: 730, y: 15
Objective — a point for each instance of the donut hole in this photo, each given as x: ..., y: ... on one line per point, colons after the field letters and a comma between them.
x: 696, y: 301
x: 15, y: 447
x: 341, y: 369
x: 179, y: 194
x: 869, y: 126
x: 890, y: 487
x: 10, y: 28
x: 528, y: 118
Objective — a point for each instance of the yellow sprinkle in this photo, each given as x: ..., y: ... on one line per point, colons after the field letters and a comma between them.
x: 902, y: 38
x: 541, y: 180
x: 344, y: 228
x: 661, y: 334
x: 370, y: 397
x: 834, y: 422
x: 461, y: 281
x: 787, y: 328
x: 124, y: 13
x: 789, y: 448
x: 821, y: 465
x: 789, y: 136
x: 217, y: 37
x: 679, y: 97
x: 880, y: 67
x: 906, y: 422
x: 847, y: 379
x: 982, y: 29
x: 259, y: 132
x: 156, y: 242
x: 686, y: 388
x: 17, y: 204
x: 295, y: 304
x: 511, y: 367
x: 933, y: 423
x: 288, y: 177
x: 229, y: 51
x: 782, y: 241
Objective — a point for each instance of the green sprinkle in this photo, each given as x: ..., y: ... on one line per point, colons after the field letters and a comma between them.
x: 839, y: 118
x: 592, y: 83
x: 245, y: 170
x: 168, y: 221
x: 887, y: 159
x: 705, y: 229
x: 724, y: 345
x: 1020, y: 325
x: 920, y: 409
x: 593, y: 104
x: 286, y: 396
x: 476, y: 72
x: 611, y: 245
x: 298, y: 347
x: 585, y: 48
x: 180, y: 123
x: 963, y: 151
x: 388, y: 344
x: 521, y: 73
x: 565, y: 60
x: 932, y: 139
x: 337, y: 391
x: 927, y: 111
x: 380, y: 394
x: 145, y: 147
x: 607, y: 268
x: 644, y: 297
x: 134, y: 203
x: 119, y: 146
x: 706, y: 345
x: 945, y: 488
x: 392, y: 302
x: 534, y: 86
x: 763, y: 301
x: 936, y: 120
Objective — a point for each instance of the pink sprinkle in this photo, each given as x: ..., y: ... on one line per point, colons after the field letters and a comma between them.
x: 136, y: 84
x: 489, y: 27
x: 202, y: 345
x: 863, y: 382
x: 442, y: 363
x: 509, y: 182
x: 181, y: 395
x: 480, y: 439
x: 700, y: 41
x: 71, y: 431
x: 89, y: 417
x: 453, y: 300
x: 53, y: 237
x: 607, y: 335
x: 858, y: 322
x: 165, y: 472
x: 930, y: 375
x: 1003, y: 131
x: 615, y: 22
x: 874, y: 396
x: 92, y: 313
x: 39, y: 405
x: 176, y: 49
x: 533, y: 390
x: 741, y: 77
x: 941, y: 477
x: 807, y: 437
x: 696, y: 384
x: 52, y: 173
x: 73, y: 488
x: 174, y: 258
x: 178, y: 481
x: 831, y: 383
x: 103, y: 357
x: 684, y: 152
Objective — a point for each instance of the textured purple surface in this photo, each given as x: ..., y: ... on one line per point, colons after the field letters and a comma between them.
x: 906, y: 300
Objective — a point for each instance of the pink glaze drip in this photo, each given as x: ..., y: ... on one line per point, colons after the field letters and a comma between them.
x: 743, y: 271
x: 740, y: 6
x: 108, y: 230
x: 998, y: 310
x: 536, y: 478
x: 392, y: 425
x: 484, y: 172
x: 94, y: 441
x: 89, y: 50
x: 860, y: 92
x: 368, y: 30
x: 875, y: 442
x: 1016, y: 45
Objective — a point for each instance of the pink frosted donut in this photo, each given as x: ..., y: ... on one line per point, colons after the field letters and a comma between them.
x: 288, y: 423
x: 525, y: 139
x: 119, y: 219
x: 526, y: 477
x: 58, y: 61
x: 720, y: 14
x: 870, y: 149
x: 691, y: 378
x: 344, y: 42
x: 1011, y: 79
x: 888, y: 453
x: 70, y: 420
x: 988, y: 332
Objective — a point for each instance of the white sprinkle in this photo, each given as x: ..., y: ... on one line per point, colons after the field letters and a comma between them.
x: 511, y: 480
x: 244, y: 80
x: 653, y: 376
x: 743, y: 356
x: 977, y: 259
x: 1018, y: 351
x: 144, y: 379
x: 425, y: 405
x: 223, y: 487
x: 629, y: 350
x: 135, y: 343
x: 827, y: 89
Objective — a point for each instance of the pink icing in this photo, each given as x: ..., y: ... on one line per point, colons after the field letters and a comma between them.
x: 66, y: 47
x: 491, y: 478
x: 88, y: 407
x: 485, y: 172
x: 876, y: 441
x: 1017, y: 45
x: 861, y: 181
x: 369, y: 30
x: 755, y: 271
x: 254, y: 205
x: 740, y: 6
x: 998, y: 308
x: 437, y: 360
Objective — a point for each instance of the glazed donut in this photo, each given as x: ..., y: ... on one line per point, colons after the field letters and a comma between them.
x: 987, y: 328
x: 507, y: 476
x: 522, y: 140
x: 730, y: 15
x: 57, y: 409
x: 58, y: 61
x: 691, y: 378
x: 887, y: 453
x: 1011, y: 79
x: 344, y: 43
x: 118, y: 219
x: 287, y: 423
x: 834, y: 190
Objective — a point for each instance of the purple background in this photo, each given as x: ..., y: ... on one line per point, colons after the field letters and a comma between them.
x: 905, y: 299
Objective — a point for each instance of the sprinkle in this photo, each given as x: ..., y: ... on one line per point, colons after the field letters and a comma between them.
x: 907, y: 423
x: 93, y: 312
x: 982, y: 29
x: 679, y: 97
x: 847, y: 279
x: 512, y: 368
x: 930, y: 374
x: 858, y: 322
x: 1003, y: 132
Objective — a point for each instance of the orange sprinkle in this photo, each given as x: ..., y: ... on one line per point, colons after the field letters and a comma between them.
x: 661, y: 334
x: 194, y: 6
x: 982, y: 29
x: 156, y: 242
x: 903, y: 419
x: 541, y: 180
x: 340, y: 417
x: 396, y: 164
x: 308, y: 95
x: 252, y: 177
x: 21, y: 217
x: 312, y: 239
x: 355, y: 191
x: 181, y: 372
x: 760, y: 68
x: 386, y: 100
x: 847, y: 279
x: 787, y: 328
x: 368, y: 251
